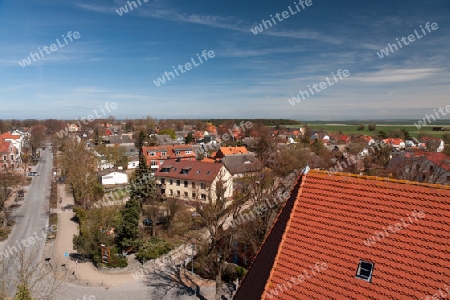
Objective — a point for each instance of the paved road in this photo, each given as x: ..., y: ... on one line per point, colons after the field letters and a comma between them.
x: 31, y: 217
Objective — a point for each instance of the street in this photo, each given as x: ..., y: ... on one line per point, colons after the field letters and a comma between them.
x: 31, y: 217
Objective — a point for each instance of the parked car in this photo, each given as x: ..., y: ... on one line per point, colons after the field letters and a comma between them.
x: 20, y: 193
x: 33, y: 174
x: 160, y: 220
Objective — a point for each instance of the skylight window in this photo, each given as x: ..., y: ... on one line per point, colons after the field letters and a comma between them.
x: 198, y: 171
x: 209, y: 172
x: 365, y: 270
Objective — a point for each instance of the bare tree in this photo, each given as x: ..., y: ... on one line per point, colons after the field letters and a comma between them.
x: 26, y: 270
x: 418, y: 169
x: 214, y: 212
x: 8, y: 181
x: 37, y: 137
x: 78, y: 164
x: 263, y: 194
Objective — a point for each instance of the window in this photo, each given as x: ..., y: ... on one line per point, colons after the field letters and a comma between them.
x: 185, y: 184
x: 186, y: 194
x: 187, y: 152
x: 431, y: 168
x: 198, y: 171
x: 209, y: 172
x: 4, y: 157
x: 203, y: 197
x: 365, y: 270
x: 202, y: 186
x: 193, y: 185
x: 154, y: 163
x: 185, y: 171
x: 163, y: 180
x: 178, y: 193
x: 171, y: 193
x: 165, y: 170
x: 171, y: 181
x: 448, y: 178
x: 178, y: 183
x: 193, y: 195
x: 177, y: 152
x: 164, y: 153
x: 152, y: 153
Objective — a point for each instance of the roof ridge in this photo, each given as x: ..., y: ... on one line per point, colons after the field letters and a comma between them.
x: 303, y: 178
x: 377, y: 178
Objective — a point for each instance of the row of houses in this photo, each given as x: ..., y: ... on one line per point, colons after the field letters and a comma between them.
x: 180, y: 175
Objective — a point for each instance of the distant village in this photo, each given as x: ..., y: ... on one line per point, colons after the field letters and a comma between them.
x: 399, y: 156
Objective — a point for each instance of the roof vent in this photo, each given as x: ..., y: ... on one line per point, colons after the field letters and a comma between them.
x: 365, y: 270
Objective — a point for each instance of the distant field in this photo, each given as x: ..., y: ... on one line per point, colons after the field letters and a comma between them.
x: 352, y: 129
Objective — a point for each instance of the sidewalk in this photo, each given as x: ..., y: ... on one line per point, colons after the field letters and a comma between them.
x: 86, y: 273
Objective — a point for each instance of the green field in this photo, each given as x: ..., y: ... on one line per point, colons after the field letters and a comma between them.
x: 348, y: 129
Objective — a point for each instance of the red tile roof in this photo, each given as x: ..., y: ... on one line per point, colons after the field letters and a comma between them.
x: 332, y: 217
x: 224, y: 151
x: 4, y: 146
x: 393, y: 141
x: 441, y: 160
x: 8, y: 135
x: 169, y: 150
x: 200, y: 171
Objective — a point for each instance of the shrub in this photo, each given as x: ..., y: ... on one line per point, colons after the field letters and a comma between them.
x: 153, y: 248
x: 232, y: 272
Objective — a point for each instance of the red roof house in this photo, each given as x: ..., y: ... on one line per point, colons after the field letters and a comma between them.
x: 155, y: 156
x: 345, y: 236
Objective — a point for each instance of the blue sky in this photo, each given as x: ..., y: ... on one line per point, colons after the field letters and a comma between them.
x: 117, y: 58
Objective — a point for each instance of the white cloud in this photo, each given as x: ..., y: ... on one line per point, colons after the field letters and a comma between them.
x: 402, y: 75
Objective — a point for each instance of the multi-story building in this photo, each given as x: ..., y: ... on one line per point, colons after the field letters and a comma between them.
x: 156, y: 156
x: 16, y: 140
x: 192, y: 180
x: 9, y: 156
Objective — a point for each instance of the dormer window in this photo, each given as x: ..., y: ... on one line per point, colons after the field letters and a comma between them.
x: 177, y: 152
x: 185, y: 171
x: 365, y: 270
x: 164, y: 153
x: 152, y: 153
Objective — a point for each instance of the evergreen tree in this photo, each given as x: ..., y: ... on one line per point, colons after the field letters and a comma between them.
x: 143, y: 185
x: 188, y: 138
x: 128, y: 231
